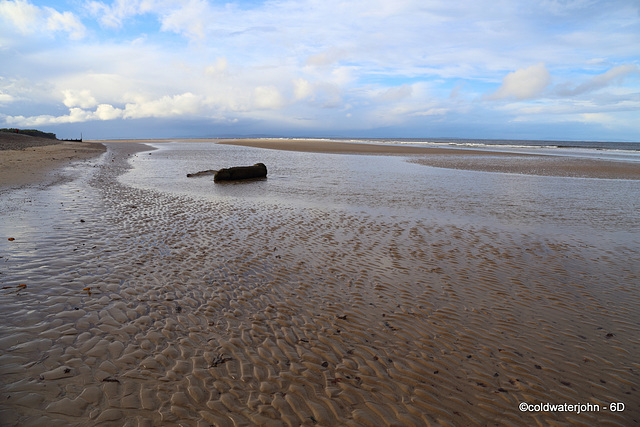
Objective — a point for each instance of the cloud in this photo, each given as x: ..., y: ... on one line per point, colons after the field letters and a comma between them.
x: 108, y: 112
x: 190, y: 19
x: 75, y: 98
x: 114, y: 15
x: 396, y: 93
x: 75, y: 115
x: 66, y: 22
x: 218, y: 68
x: 600, y: 118
x: 30, y: 19
x: 167, y: 106
x: 268, y: 97
x: 431, y: 112
x: 22, y: 14
x: 5, y: 99
x: 525, y: 83
x: 614, y: 75
x: 330, y: 56
x: 302, y: 89
x: 552, y: 110
x: 186, y: 104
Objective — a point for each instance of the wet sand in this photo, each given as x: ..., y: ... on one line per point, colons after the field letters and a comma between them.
x: 28, y: 160
x: 454, y: 158
x: 123, y: 306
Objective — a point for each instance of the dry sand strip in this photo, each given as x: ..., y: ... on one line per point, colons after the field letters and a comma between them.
x: 27, y: 160
x: 454, y: 158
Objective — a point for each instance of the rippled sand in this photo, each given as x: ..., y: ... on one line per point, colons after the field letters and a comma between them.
x: 124, y: 306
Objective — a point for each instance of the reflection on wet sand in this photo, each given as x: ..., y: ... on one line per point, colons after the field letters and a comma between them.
x: 162, y: 309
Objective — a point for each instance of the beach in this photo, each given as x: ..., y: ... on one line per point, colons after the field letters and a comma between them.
x: 27, y: 160
x: 358, y: 285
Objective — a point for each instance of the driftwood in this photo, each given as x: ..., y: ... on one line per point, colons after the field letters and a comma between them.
x: 202, y: 173
x: 259, y: 170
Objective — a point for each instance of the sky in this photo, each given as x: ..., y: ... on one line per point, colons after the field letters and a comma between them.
x: 499, y: 69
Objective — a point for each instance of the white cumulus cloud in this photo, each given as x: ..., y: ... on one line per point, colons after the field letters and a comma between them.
x: 185, y: 104
x: 524, y: 83
x: 167, y: 106
x: 78, y: 98
x: 108, y: 112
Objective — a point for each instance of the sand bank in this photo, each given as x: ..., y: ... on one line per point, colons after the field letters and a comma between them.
x: 159, y: 309
x: 454, y: 158
x: 537, y: 165
x: 29, y: 160
x: 336, y: 147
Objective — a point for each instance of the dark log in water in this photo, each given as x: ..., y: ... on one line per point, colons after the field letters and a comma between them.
x: 259, y: 170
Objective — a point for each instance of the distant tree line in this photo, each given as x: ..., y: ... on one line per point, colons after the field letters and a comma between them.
x: 31, y: 132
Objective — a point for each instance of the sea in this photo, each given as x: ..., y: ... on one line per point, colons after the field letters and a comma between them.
x: 512, y: 143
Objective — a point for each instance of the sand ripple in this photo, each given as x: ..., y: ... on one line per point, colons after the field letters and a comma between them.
x: 164, y: 310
